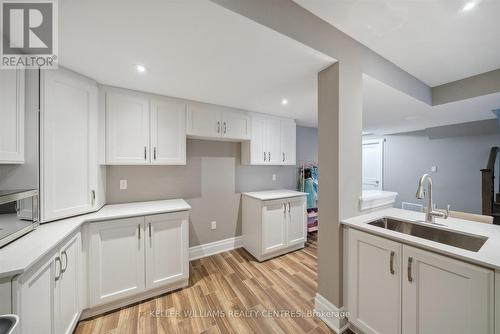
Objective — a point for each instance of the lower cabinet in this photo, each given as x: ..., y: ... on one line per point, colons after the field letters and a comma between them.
x: 130, y: 256
x: 47, y: 297
x: 395, y: 288
x: 273, y: 227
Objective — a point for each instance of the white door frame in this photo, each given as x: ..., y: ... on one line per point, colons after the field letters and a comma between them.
x: 380, y: 142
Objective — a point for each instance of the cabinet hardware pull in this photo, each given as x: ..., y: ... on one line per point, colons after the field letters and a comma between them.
x: 58, y: 276
x: 225, y: 127
x: 392, y: 262
x: 218, y: 127
x: 154, y: 153
x: 93, y: 197
x: 284, y: 208
x: 149, y: 226
x: 264, y: 156
x: 65, y: 261
x: 284, y: 157
x: 269, y: 156
x: 410, y: 261
x: 289, y: 207
x: 145, y: 153
x: 139, y: 230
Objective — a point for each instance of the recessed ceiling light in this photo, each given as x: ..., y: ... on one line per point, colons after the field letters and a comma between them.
x: 140, y: 68
x: 284, y: 102
x: 468, y: 6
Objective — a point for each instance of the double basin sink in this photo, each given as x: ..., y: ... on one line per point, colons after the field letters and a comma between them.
x: 417, y: 229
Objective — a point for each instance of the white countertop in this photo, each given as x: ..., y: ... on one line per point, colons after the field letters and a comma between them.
x: 269, y: 195
x: 19, y: 255
x: 488, y: 256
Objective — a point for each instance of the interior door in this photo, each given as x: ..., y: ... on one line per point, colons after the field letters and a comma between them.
x: 288, y: 142
x: 443, y: 295
x: 236, y: 125
x: 273, y: 142
x: 12, y: 111
x: 296, y: 221
x: 204, y: 121
x: 68, y: 100
x: 127, y: 129
x: 373, y: 164
x: 168, y: 132
x: 116, y: 259
x: 166, y: 249
x: 67, y: 304
x: 374, y: 283
x: 273, y: 226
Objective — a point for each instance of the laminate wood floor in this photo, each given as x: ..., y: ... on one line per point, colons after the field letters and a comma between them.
x: 228, y: 293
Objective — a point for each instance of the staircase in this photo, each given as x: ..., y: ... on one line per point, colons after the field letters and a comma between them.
x: 490, y: 200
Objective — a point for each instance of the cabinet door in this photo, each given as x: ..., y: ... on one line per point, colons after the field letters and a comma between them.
x: 127, y: 129
x: 204, y: 121
x: 296, y: 221
x: 273, y: 226
x: 273, y: 142
x: 236, y: 125
x: 168, y: 133
x: 257, y: 142
x: 445, y: 295
x: 374, y: 283
x: 12, y: 116
x: 68, y: 100
x: 35, y: 298
x: 116, y: 262
x: 166, y: 249
x: 288, y: 142
x: 67, y: 301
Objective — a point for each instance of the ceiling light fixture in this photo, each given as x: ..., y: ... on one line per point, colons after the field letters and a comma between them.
x: 284, y: 102
x: 140, y: 68
x: 468, y: 6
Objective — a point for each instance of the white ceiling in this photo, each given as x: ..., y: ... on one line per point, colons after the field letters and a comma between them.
x: 434, y: 40
x: 387, y: 110
x: 192, y: 49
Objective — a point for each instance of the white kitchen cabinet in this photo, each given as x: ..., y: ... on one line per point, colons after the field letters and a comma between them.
x: 168, y: 132
x: 127, y: 129
x: 12, y: 86
x: 116, y: 262
x: 68, y: 163
x: 374, y: 283
x: 443, y: 295
x: 47, y: 297
x: 167, y: 258
x: 273, y: 142
x: 272, y: 227
x: 215, y: 122
x: 288, y: 142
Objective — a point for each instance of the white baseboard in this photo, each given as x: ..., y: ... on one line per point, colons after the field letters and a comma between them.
x: 216, y: 247
x: 330, y: 314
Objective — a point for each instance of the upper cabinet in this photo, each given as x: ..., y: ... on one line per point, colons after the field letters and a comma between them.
x: 142, y: 131
x: 215, y: 122
x: 12, y: 117
x: 273, y: 142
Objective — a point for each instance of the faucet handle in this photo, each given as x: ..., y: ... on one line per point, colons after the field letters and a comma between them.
x: 447, y: 214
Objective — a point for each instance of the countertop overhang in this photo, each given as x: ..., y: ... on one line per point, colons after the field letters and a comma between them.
x: 488, y: 256
x: 270, y: 195
x: 21, y: 254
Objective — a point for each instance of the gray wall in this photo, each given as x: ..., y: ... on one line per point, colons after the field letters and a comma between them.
x: 211, y: 183
x: 307, y: 144
x: 459, y: 160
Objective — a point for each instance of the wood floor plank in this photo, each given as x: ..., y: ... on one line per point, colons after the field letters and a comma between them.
x: 228, y: 293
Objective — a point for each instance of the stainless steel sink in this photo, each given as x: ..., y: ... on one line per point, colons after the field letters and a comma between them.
x: 452, y: 238
x: 8, y: 323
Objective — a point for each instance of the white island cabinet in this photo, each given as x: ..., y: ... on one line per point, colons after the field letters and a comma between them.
x: 395, y: 288
x: 274, y: 222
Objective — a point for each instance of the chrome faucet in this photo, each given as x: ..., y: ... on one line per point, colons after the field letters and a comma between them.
x: 421, y: 193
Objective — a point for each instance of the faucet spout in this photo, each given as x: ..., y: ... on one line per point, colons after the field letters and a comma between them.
x: 421, y: 194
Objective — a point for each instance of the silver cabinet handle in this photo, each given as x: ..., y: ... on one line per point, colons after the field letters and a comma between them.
x: 284, y: 208
x: 145, y: 153
x: 289, y: 207
x: 410, y: 261
x: 93, y: 197
x: 392, y: 262
x: 284, y: 157
x: 218, y: 127
x: 225, y: 127
x: 149, y: 226
x: 264, y: 156
x: 154, y: 153
x: 58, y: 276
x: 65, y: 261
x: 139, y: 231
x: 269, y: 156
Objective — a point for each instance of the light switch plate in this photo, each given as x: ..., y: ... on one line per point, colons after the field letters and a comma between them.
x: 213, y: 225
x: 274, y: 177
x: 123, y: 184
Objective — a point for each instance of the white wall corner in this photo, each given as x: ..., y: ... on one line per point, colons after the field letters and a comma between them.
x: 334, y: 317
x: 216, y: 247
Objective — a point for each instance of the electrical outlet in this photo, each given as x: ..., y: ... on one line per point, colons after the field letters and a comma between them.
x: 123, y: 184
x: 213, y: 225
x: 434, y: 169
x: 274, y: 177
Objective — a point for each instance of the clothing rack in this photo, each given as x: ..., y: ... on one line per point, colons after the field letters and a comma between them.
x: 308, y: 182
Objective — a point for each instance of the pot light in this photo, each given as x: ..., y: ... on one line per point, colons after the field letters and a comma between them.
x: 468, y: 6
x: 284, y: 102
x: 140, y: 68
